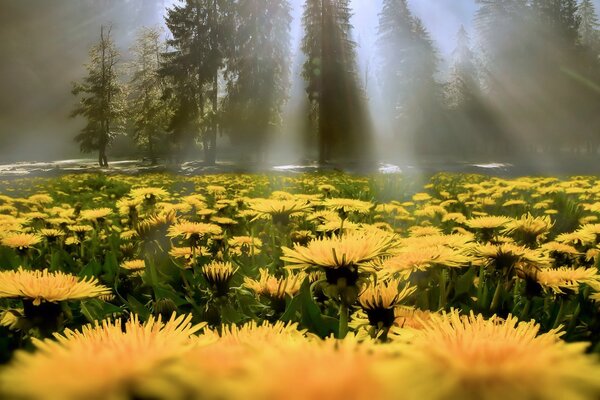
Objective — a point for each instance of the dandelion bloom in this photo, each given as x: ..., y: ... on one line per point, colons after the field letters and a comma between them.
x: 48, y: 286
x: 97, y: 214
x: 193, y: 230
x: 347, y: 206
x: 567, y: 279
x: 20, y: 241
x: 273, y: 287
x: 470, y: 357
x: 120, y: 361
x: 379, y: 300
x: 134, y: 265
x: 279, y: 210
x: 488, y: 222
x: 353, y: 249
x: 218, y: 274
x: 148, y: 193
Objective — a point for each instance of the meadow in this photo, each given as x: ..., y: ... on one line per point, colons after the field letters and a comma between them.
x: 295, y: 286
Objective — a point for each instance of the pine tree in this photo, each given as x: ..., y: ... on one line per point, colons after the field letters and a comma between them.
x: 148, y: 110
x: 201, y: 34
x: 395, y: 39
x: 464, y: 84
x: 330, y: 72
x: 588, y: 28
x: 408, y: 67
x: 508, y: 41
x: 258, y: 73
x: 469, y: 115
x: 101, y: 99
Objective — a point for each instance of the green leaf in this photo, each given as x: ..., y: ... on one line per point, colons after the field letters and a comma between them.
x: 93, y: 269
x: 138, y: 308
x: 165, y: 292
x: 464, y: 283
x: 96, y: 310
x: 92, y: 310
x: 311, y: 313
x: 293, y: 310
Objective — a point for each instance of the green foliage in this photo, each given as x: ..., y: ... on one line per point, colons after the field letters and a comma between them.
x: 101, y: 99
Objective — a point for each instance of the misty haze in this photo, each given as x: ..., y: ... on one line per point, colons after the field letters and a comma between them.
x: 432, y: 83
x: 299, y: 199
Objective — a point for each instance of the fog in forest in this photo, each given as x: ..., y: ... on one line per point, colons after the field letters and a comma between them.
x: 278, y: 82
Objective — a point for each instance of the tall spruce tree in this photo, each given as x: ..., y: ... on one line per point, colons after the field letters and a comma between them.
x: 507, y: 41
x: 408, y: 64
x: 464, y: 83
x: 201, y: 35
x: 101, y: 99
x: 258, y: 73
x: 588, y: 27
x: 148, y: 111
x: 332, y: 84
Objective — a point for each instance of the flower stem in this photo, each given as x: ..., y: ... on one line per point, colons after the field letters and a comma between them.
x: 525, y: 310
x: 496, y: 298
x: 443, y: 294
x: 343, y: 327
x: 560, y: 315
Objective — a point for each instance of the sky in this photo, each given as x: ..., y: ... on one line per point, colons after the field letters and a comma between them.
x: 44, y: 44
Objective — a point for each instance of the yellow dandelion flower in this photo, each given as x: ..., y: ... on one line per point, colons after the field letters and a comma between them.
x: 134, y: 265
x: 475, y: 358
x: 51, y: 234
x: 347, y: 206
x: 413, y: 318
x: 224, y: 221
x: 416, y: 231
x: 529, y: 229
x: 303, y: 371
x: 239, y: 245
x: 410, y: 259
x: 95, y: 215
x: 379, y: 300
x: 194, y: 230
x: 149, y: 194
x: 354, y: 249
x: 39, y: 286
x: 279, y: 210
x: 40, y: 199
x: 273, y: 287
x: 20, y: 241
x: 218, y: 274
x: 567, y: 279
x: 120, y: 361
x: 561, y: 248
x: 156, y: 225
x: 514, y: 203
x: 421, y: 197
x: 507, y: 255
x: 12, y: 319
x: 488, y: 222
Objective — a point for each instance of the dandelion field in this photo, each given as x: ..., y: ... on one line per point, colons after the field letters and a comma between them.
x: 299, y: 286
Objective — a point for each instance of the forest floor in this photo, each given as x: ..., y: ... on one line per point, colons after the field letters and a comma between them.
x: 568, y: 164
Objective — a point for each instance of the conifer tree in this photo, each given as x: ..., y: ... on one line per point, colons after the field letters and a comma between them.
x: 101, y: 99
x: 201, y: 36
x: 148, y: 111
x: 332, y: 85
x: 588, y: 27
x: 258, y: 73
x: 407, y: 70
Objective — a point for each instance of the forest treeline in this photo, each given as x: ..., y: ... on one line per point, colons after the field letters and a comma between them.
x: 526, y: 80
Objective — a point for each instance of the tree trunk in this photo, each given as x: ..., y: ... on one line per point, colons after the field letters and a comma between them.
x: 211, y: 150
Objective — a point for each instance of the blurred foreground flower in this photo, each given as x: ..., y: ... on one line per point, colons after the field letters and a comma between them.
x: 469, y: 357
x: 107, y: 361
